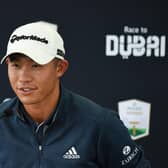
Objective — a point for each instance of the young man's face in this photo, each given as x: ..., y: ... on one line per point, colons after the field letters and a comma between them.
x: 33, y: 83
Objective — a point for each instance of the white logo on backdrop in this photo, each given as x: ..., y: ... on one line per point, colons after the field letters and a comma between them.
x: 135, y: 42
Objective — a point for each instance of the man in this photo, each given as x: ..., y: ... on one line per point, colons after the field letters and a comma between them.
x: 48, y: 126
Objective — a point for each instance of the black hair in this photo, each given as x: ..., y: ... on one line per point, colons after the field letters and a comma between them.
x: 15, y: 56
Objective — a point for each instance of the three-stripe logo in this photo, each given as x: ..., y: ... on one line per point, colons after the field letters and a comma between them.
x: 71, y: 154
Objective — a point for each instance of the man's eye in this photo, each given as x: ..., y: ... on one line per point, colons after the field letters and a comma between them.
x: 15, y: 65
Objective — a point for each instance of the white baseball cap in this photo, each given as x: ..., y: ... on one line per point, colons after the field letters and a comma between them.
x: 40, y: 41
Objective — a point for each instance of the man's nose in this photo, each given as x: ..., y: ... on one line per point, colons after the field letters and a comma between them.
x: 25, y: 75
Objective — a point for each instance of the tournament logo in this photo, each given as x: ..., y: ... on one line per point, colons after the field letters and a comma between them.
x: 136, y: 42
x: 136, y: 116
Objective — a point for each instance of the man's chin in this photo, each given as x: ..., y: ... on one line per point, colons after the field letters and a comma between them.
x: 27, y: 101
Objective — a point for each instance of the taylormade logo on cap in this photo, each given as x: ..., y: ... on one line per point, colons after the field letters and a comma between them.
x: 38, y: 40
x: 32, y: 37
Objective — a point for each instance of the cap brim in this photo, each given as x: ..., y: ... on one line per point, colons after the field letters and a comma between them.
x: 3, y: 59
x: 39, y: 56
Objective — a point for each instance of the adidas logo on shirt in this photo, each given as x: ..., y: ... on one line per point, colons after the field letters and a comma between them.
x: 71, y: 154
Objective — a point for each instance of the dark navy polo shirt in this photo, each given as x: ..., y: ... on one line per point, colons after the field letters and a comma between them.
x: 79, y: 134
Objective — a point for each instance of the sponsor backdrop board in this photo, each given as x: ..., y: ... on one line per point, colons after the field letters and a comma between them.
x: 118, y: 58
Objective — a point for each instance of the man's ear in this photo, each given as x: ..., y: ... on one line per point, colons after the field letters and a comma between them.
x: 62, y: 67
x: 7, y: 60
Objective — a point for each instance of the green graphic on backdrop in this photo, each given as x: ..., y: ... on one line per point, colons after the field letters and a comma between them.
x: 136, y: 116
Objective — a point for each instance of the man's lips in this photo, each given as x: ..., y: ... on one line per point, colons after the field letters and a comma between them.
x: 26, y: 90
